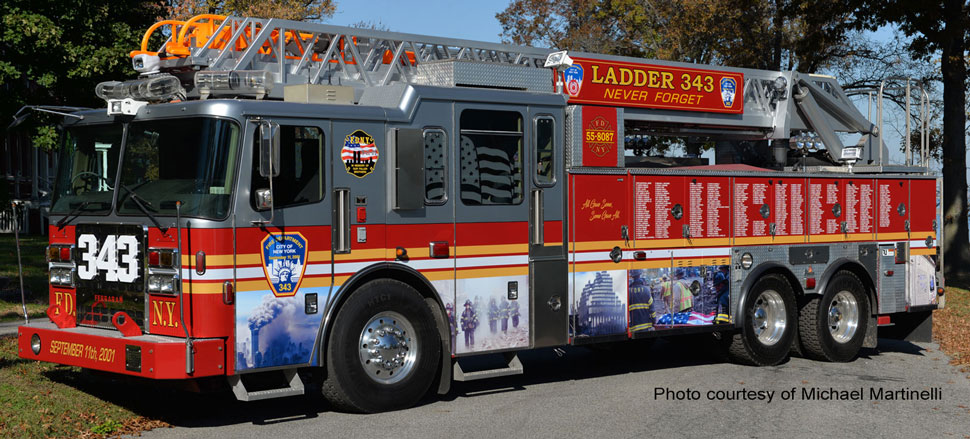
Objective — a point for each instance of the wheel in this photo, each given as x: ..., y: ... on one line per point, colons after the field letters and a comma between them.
x: 832, y: 327
x: 383, y: 349
x: 768, y: 327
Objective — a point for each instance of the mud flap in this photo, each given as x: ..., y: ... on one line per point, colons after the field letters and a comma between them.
x: 912, y: 327
x: 872, y: 331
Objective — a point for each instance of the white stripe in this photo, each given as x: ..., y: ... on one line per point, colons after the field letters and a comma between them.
x: 490, y: 261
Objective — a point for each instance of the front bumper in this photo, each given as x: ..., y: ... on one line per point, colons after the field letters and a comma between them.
x: 147, y: 356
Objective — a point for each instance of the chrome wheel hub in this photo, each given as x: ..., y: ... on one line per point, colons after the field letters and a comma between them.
x: 769, y: 318
x: 843, y: 317
x: 387, y: 347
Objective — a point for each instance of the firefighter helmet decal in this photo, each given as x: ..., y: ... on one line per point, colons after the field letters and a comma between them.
x: 284, y: 262
x: 359, y: 154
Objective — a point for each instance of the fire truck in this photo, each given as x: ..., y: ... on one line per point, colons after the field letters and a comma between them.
x: 274, y: 200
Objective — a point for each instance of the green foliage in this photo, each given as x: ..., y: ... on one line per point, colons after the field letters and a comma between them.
x: 106, y: 427
x: 55, y: 51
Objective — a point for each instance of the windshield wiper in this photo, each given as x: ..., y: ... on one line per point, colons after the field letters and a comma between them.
x: 138, y: 199
x: 74, y: 213
x: 138, y: 202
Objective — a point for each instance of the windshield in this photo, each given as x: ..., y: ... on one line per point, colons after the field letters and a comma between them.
x: 187, y: 160
x: 86, y: 169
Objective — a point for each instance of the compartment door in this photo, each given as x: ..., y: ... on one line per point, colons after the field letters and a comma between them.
x: 547, y: 252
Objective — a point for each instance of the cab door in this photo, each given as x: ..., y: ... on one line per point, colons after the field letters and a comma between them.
x: 547, y: 252
x: 283, y: 254
x: 360, y: 159
x: 492, y: 290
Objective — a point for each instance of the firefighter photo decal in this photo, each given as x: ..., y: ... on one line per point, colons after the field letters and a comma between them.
x: 359, y: 154
x: 284, y: 261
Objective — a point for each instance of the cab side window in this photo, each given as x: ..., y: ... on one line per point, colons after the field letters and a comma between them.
x: 435, y: 145
x: 491, y: 157
x: 545, y: 172
x: 301, y: 179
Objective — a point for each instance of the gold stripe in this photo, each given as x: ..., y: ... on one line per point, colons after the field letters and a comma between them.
x: 903, y: 236
x: 756, y: 240
x: 923, y: 251
x: 826, y: 238
x: 709, y: 242
x: 598, y: 245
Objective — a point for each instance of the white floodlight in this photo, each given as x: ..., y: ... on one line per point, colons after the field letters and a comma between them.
x: 145, y: 64
x: 558, y: 60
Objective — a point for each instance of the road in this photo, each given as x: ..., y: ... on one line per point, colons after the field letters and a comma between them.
x: 614, y: 394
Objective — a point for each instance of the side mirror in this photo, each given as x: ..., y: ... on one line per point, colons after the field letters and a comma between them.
x: 264, y: 199
x: 269, y: 149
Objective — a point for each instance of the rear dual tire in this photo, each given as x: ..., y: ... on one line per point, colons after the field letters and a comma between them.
x: 832, y: 327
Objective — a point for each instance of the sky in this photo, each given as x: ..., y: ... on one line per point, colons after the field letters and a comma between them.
x: 470, y: 20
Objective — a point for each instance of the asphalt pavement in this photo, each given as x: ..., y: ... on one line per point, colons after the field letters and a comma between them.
x: 671, y: 389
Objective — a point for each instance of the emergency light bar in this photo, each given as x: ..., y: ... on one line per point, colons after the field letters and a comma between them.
x: 257, y: 83
x: 127, y: 97
x: 154, y: 89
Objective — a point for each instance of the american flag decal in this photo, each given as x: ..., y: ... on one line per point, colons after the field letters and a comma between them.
x: 359, y: 154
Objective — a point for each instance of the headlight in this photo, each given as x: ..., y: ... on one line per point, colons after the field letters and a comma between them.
x: 747, y: 261
x: 162, y: 283
x: 35, y: 343
x: 62, y: 276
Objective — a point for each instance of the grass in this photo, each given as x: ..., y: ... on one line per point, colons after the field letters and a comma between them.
x: 35, y: 277
x: 951, y: 327
x: 48, y: 400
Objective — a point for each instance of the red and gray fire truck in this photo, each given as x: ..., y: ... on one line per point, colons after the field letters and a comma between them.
x: 270, y: 200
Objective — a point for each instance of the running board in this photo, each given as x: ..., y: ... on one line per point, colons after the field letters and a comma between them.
x: 294, y: 387
x: 514, y: 367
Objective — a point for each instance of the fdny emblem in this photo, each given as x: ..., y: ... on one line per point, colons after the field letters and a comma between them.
x: 284, y: 261
x: 573, y: 77
x: 359, y: 154
x: 728, y: 87
x: 600, y: 136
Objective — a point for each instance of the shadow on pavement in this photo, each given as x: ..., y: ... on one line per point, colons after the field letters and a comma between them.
x: 159, y: 400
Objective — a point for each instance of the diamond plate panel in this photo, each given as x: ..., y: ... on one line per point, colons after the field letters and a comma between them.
x: 574, y: 136
x: 453, y: 73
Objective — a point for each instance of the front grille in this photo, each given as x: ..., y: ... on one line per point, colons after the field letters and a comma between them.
x: 111, y: 264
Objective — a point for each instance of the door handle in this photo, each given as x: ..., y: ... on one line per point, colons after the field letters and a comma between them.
x: 537, y: 217
x: 341, y: 221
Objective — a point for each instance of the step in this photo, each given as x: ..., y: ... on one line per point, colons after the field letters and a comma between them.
x: 514, y: 367
x: 294, y: 388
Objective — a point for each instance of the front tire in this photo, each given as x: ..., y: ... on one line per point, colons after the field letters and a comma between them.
x: 383, y: 349
x: 832, y: 327
x: 769, y: 323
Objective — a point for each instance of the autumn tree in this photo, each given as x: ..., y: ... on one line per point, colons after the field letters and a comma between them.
x: 940, y: 30
x: 767, y: 34
x: 303, y: 10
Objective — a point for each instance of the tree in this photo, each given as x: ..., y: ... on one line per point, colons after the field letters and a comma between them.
x: 53, y: 52
x: 766, y: 34
x: 288, y: 9
x: 940, y: 30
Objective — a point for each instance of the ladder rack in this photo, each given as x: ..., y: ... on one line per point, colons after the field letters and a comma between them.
x: 313, y: 53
